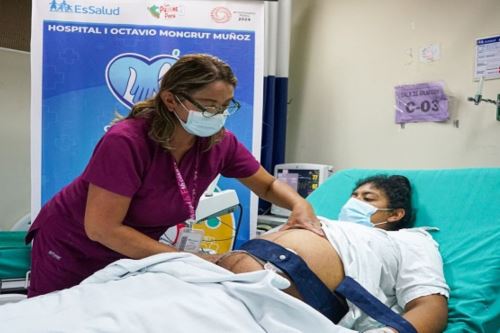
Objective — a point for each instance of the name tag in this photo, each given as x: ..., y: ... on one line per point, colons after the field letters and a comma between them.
x: 189, y: 240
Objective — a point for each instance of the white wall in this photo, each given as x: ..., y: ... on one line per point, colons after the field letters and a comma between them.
x: 14, y: 137
x: 346, y: 58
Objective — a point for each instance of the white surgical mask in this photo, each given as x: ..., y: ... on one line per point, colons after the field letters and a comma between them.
x: 358, y: 211
x: 199, y: 125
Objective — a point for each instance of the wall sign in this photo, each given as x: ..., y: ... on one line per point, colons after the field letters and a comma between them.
x: 487, y: 62
x: 421, y: 102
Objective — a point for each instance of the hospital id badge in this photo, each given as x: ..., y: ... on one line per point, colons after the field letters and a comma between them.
x: 189, y: 240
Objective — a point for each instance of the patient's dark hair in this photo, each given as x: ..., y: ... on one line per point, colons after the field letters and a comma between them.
x: 398, y: 191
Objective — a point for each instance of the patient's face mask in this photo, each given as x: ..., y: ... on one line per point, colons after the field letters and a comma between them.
x: 358, y: 211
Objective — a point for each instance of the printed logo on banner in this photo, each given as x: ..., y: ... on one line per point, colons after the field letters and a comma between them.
x: 244, y: 16
x: 133, y: 77
x: 64, y: 6
x: 166, y: 11
x: 220, y: 14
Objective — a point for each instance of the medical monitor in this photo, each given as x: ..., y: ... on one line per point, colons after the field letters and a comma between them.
x: 302, y: 177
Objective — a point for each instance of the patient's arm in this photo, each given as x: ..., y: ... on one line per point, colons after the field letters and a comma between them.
x: 428, y: 314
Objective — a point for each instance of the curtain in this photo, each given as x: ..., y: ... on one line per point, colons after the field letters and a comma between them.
x: 276, y: 61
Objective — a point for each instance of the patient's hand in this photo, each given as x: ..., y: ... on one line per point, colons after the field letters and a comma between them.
x: 303, y: 217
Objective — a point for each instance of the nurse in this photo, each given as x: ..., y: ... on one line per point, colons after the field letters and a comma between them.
x: 146, y: 174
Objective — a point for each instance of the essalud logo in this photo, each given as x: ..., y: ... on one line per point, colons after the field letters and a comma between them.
x: 65, y: 7
x: 62, y: 6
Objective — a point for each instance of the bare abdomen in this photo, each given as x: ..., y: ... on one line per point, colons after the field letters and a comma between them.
x: 316, y: 251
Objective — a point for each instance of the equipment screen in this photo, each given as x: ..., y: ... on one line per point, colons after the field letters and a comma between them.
x: 302, y: 181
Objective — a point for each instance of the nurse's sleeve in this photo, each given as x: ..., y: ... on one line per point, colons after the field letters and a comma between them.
x: 117, y: 164
x: 238, y: 162
x: 421, y: 267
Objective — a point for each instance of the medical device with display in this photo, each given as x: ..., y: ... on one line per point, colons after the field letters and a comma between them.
x: 302, y: 177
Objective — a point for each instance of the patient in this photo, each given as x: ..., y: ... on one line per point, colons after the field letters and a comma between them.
x: 402, y: 269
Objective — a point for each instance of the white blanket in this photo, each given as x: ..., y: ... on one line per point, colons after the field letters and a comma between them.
x: 170, y: 292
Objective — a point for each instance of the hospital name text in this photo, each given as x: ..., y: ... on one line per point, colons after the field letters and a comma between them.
x: 98, y: 30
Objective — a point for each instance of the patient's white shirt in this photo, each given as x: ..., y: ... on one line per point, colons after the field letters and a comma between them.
x: 394, y: 266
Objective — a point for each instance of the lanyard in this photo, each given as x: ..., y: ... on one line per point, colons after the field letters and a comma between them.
x: 188, y: 199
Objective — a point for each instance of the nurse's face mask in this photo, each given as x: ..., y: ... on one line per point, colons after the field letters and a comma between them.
x: 358, y: 211
x: 208, y: 120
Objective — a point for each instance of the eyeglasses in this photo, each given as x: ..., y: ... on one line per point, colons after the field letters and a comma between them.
x: 210, y: 111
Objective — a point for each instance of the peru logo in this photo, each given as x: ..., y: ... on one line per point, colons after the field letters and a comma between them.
x: 133, y: 77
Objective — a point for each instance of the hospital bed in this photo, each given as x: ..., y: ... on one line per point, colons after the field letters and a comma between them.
x: 465, y: 205
x: 15, y: 261
x: 168, y: 292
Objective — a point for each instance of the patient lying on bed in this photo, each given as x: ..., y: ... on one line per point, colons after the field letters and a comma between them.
x: 179, y: 292
x: 403, y: 269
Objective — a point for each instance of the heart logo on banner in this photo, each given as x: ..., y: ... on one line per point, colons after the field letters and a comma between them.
x: 133, y: 77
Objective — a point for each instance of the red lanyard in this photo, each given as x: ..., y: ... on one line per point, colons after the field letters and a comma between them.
x: 188, y: 199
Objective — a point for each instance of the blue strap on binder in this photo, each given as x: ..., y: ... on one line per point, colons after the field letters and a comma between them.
x: 370, y: 305
x: 311, y: 288
x: 317, y: 295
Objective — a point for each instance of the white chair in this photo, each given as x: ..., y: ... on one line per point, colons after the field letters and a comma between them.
x: 22, y: 224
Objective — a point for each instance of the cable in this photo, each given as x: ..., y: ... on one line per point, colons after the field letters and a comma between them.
x: 237, y: 226
x: 223, y: 223
x: 217, y: 240
x: 266, y: 211
x: 238, y: 223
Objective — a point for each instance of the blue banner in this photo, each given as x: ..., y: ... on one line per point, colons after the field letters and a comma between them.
x: 96, y: 61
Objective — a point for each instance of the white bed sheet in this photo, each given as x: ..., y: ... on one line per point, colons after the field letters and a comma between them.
x: 170, y: 292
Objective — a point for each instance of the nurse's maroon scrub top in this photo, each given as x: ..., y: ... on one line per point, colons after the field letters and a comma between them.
x: 127, y: 162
